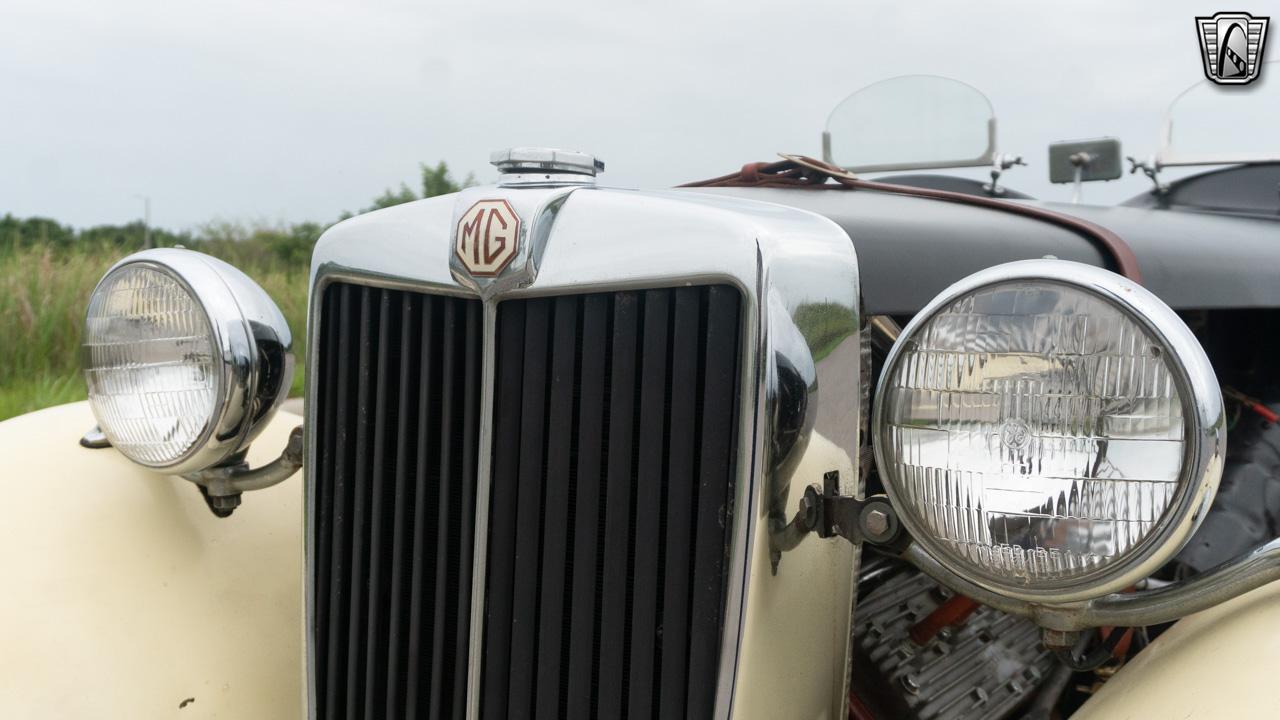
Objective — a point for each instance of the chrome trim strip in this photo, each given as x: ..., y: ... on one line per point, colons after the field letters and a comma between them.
x: 484, y: 472
x: 750, y: 449
x: 309, y: 454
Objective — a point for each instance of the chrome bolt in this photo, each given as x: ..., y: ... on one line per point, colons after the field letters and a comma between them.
x: 877, y: 522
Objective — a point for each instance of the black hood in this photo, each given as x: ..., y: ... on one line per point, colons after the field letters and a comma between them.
x: 911, y: 248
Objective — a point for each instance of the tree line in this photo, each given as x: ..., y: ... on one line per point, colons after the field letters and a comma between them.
x: 290, y: 243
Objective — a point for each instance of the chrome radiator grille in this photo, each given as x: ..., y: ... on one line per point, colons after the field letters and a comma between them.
x: 397, y: 423
x: 613, y: 453
x: 614, y: 449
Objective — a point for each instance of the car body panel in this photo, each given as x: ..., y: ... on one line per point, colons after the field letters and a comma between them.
x: 1215, y: 664
x: 1196, y: 260
x: 912, y: 248
x: 126, y: 597
x: 1241, y: 189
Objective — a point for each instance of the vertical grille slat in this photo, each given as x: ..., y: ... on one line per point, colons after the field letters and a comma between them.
x: 444, y: 502
x: 587, y: 512
x: 618, y: 484
x: 323, y: 488
x: 717, y: 434
x: 555, y: 535
x: 404, y: 494
x: 398, y: 401
x: 421, y: 512
x: 385, y: 421
x: 524, y: 613
x: 646, y: 547
x: 341, y: 485
x: 361, y: 482
x: 608, y: 523
x: 680, y: 488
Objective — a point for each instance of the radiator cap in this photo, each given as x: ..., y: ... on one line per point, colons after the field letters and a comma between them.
x: 545, y: 160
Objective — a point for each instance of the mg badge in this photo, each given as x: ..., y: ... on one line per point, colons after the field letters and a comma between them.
x: 488, y: 237
x: 1231, y: 46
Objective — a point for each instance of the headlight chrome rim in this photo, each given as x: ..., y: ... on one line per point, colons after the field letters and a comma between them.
x: 1204, y: 430
x: 241, y: 318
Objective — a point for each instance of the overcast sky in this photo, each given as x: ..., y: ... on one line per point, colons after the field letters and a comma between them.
x: 283, y: 111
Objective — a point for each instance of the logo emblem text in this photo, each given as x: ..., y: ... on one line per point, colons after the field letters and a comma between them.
x: 488, y: 237
x: 1231, y: 46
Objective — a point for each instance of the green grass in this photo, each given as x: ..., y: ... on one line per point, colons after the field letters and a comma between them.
x: 44, y: 290
x: 48, y: 270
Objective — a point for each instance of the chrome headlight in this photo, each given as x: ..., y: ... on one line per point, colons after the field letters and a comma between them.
x: 1049, y: 430
x: 185, y: 358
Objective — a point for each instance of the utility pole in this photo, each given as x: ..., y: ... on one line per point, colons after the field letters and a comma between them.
x: 146, y: 221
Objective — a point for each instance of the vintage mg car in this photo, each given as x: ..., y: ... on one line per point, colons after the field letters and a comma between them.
x: 788, y: 443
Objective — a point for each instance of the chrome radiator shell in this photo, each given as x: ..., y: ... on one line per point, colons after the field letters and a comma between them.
x: 785, y: 645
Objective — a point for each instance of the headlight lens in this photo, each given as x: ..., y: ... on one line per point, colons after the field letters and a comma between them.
x: 1048, y: 429
x: 185, y: 357
x: 150, y: 364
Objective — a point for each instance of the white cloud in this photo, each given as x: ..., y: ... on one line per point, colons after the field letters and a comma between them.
x: 298, y: 110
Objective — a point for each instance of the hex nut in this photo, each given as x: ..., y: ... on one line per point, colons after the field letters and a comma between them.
x: 877, y: 522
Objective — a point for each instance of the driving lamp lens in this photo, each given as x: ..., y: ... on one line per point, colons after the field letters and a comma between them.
x: 1033, y: 434
x: 150, y: 364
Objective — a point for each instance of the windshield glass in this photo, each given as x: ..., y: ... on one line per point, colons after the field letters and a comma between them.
x: 1211, y: 124
x: 911, y: 122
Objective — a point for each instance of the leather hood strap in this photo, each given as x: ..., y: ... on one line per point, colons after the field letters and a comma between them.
x: 799, y: 171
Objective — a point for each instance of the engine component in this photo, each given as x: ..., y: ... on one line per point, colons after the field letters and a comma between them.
x: 1246, y: 510
x: 985, y: 667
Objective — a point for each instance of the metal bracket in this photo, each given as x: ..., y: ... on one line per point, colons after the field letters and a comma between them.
x: 222, y: 485
x: 95, y: 439
x: 999, y: 164
x: 825, y: 512
x: 872, y: 520
x: 1151, y: 169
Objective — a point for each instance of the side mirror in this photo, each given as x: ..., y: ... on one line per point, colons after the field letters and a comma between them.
x: 1079, y: 161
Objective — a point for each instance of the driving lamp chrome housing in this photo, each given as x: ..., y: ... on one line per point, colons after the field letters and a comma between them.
x: 1049, y: 431
x: 186, y: 359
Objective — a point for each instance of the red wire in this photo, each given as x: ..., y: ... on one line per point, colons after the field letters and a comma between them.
x: 1265, y: 412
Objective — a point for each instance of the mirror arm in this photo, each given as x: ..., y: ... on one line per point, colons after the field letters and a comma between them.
x: 999, y: 164
x: 1079, y: 161
x: 1149, y: 168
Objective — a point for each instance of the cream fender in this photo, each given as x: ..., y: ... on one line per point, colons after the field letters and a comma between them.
x: 124, y: 596
x: 1220, y: 663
